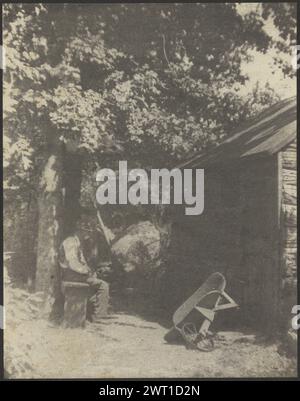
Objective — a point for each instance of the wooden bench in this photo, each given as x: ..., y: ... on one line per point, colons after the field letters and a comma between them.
x: 76, y: 296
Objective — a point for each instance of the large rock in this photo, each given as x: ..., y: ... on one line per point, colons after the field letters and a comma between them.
x: 138, y: 250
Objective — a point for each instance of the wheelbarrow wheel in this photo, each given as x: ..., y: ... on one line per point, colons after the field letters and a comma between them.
x: 205, y: 344
x: 189, y: 333
x: 195, y: 340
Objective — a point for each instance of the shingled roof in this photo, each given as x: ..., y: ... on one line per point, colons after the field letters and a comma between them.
x: 265, y: 134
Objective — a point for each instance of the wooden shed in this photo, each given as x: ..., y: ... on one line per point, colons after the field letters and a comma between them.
x: 248, y: 227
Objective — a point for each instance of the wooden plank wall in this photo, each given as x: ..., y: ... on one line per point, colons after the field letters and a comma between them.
x: 288, y: 237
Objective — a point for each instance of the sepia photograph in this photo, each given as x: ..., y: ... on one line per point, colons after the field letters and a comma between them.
x: 150, y: 191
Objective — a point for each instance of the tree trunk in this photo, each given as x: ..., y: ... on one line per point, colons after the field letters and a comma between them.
x: 50, y: 206
x: 72, y: 186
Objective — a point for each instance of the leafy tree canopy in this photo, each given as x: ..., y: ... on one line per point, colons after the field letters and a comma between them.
x: 157, y: 81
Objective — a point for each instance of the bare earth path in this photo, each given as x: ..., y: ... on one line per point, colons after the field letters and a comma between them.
x: 127, y: 346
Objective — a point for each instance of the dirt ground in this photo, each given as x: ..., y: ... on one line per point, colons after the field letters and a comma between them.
x: 128, y: 346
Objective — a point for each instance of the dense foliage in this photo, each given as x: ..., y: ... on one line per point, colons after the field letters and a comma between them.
x: 151, y: 80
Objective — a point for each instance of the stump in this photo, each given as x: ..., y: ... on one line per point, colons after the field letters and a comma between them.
x: 76, y: 295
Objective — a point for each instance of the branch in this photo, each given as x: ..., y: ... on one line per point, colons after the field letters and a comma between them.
x: 164, y: 49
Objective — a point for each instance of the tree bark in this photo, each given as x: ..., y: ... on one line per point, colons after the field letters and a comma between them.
x: 50, y: 206
x: 72, y: 187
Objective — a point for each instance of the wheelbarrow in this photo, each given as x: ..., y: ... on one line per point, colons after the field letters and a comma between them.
x: 192, y: 320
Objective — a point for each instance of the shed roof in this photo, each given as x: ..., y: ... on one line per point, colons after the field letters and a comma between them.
x: 265, y: 134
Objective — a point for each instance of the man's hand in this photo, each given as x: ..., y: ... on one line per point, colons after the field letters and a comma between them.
x: 93, y: 274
